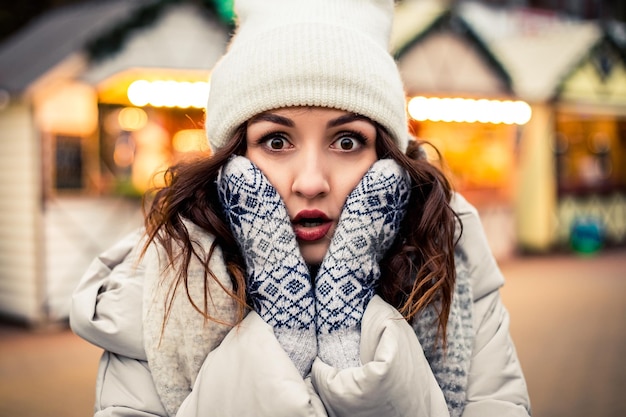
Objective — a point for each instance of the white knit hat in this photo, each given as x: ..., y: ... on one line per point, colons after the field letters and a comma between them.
x: 323, y: 53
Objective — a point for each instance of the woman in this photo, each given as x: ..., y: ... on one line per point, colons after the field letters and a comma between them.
x: 315, y: 264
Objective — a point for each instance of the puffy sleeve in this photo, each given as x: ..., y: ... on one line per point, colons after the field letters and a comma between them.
x: 250, y: 374
x: 124, y: 387
x: 104, y: 309
x: 496, y: 384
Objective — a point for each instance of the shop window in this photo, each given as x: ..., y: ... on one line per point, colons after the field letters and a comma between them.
x: 478, y: 158
x: 138, y: 144
x: 588, y: 154
x: 69, y: 163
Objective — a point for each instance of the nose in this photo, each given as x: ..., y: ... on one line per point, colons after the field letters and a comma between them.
x: 311, y: 179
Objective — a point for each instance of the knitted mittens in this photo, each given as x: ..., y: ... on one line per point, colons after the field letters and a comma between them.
x: 278, y: 280
x: 349, y: 273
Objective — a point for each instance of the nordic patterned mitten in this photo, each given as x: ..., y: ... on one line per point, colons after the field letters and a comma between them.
x: 349, y: 273
x: 278, y: 281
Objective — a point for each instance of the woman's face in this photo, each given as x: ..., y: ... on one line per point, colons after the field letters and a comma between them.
x: 314, y: 157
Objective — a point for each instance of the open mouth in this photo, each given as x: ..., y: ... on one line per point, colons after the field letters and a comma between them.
x: 311, y: 225
x: 311, y: 222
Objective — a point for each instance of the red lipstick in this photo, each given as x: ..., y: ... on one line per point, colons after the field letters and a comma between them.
x: 311, y: 225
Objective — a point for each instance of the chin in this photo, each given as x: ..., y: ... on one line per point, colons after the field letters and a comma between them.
x: 313, y: 253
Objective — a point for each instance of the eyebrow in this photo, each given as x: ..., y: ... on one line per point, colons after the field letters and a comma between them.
x: 346, y: 118
x: 273, y: 118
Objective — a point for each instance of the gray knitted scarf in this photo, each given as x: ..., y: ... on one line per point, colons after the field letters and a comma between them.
x: 451, y: 365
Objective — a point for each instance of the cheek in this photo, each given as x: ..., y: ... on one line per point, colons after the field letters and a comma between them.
x: 348, y: 176
x: 276, y: 174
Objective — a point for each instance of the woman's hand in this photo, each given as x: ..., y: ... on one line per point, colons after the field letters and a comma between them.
x: 348, y: 276
x: 278, y: 279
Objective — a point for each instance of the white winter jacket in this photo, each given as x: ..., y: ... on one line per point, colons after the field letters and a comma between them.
x: 249, y: 374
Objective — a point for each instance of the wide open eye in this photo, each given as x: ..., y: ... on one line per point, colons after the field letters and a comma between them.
x: 275, y: 142
x: 347, y: 144
x: 349, y: 141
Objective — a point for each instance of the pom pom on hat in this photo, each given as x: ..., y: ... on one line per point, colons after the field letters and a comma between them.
x: 321, y: 53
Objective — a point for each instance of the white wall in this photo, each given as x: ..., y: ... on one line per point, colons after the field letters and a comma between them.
x: 45, y: 247
x: 445, y: 63
x: 21, y: 291
x: 76, y: 230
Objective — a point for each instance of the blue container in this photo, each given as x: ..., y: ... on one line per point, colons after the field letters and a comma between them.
x: 586, y: 235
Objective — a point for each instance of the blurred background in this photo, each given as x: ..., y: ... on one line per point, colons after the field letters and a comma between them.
x: 524, y: 99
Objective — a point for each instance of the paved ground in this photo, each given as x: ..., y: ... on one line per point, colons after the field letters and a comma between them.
x: 569, y: 325
x: 568, y: 322
x: 46, y: 373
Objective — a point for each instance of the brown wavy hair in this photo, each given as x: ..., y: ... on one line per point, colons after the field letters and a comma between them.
x: 417, y: 271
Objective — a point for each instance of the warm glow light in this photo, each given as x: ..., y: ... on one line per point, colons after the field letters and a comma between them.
x: 67, y: 108
x: 190, y: 140
x: 469, y: 111
x: 200, y: 94
x: 418, y: 108
x: 124, y: 154
x: 139, y: 93
x: 523, y: 112
x: 186, y: 92
x: 132, y: 118
x: 484, y: 111
x: 169, y: 93
x: 438, y: 109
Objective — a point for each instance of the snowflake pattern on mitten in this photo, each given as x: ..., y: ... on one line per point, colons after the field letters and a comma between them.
x: 278, y: 281
x: 349, y: 274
